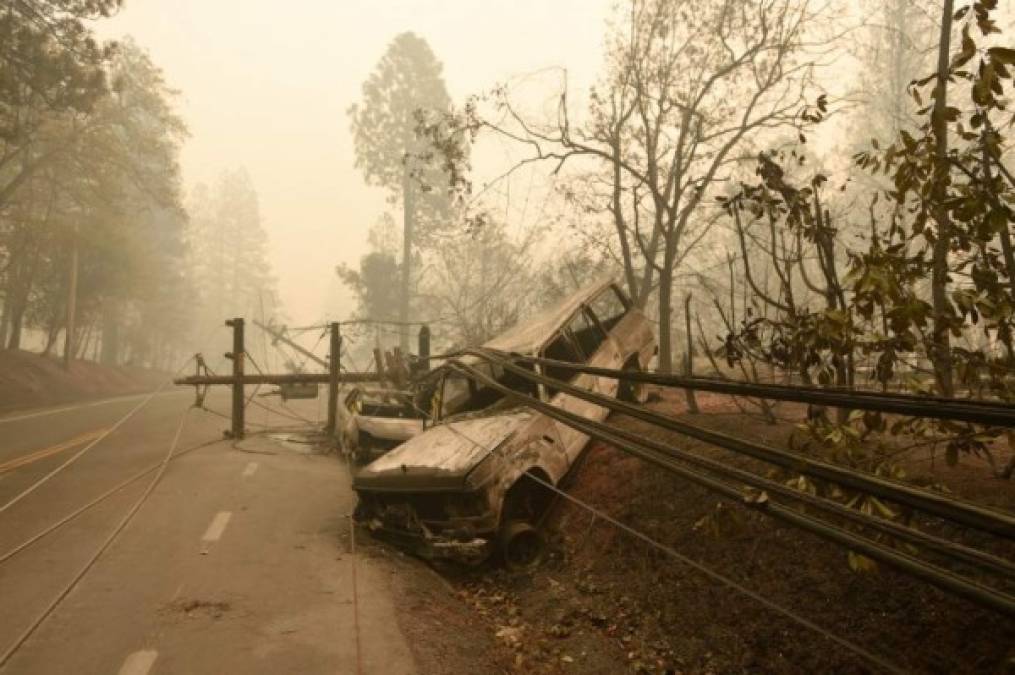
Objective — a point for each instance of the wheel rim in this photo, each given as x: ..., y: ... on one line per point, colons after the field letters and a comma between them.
x: 522, y: 545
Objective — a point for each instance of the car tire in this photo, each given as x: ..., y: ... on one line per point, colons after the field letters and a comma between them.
x: 521, y: 545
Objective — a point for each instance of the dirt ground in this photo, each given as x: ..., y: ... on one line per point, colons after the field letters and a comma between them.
x: 28, y: 380
x: 604, y: 602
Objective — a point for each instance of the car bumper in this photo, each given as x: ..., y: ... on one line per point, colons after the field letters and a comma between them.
x: 431, y: 546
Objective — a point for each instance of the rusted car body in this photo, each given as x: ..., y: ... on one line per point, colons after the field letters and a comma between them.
x: 476, y: 478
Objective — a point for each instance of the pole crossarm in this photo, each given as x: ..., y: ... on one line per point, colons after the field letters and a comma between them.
x: 276, y: 378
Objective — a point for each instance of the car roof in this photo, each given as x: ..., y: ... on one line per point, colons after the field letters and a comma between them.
x: 530, y: 334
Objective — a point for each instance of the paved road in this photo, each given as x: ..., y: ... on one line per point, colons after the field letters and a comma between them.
x: 239, y: 562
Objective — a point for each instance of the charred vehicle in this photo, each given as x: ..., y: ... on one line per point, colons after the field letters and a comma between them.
x: 476, y: 479
x: 377, y: 420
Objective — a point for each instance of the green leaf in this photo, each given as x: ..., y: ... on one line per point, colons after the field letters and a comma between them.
x: 1002, y: 54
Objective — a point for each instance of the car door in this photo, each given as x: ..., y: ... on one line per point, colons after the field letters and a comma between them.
x: 582, y: 340
x: 625, y: 324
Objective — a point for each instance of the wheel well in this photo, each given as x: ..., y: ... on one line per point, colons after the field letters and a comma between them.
x: 528, y: 497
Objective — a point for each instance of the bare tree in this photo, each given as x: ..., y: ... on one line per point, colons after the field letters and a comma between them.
x: 687, y: 84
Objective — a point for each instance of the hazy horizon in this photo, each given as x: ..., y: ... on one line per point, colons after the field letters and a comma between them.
x: 268, y: 91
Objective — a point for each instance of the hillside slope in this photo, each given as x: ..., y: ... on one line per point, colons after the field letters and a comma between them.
x: 28, y: 380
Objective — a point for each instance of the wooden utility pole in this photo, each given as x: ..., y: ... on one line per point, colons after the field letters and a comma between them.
x: 236, y: 431
x: 72, y: 297
x: 334, y: 367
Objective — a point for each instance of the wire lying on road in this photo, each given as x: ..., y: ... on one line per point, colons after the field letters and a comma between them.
x: 939, y: 545
x: 95, y: 502
x: 80, y: 453
x: 102, y: 548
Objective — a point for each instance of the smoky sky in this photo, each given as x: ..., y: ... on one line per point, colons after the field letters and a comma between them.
x: 266, y: 85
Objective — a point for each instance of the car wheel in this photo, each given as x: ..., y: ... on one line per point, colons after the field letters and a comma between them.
x: 521, y: 545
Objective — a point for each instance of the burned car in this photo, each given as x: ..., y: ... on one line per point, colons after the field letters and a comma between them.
x: 373, y: 419
x: 476, y: 479
x: 377, y: 420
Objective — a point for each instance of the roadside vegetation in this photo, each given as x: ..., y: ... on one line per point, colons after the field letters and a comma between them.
x: 99, y: 258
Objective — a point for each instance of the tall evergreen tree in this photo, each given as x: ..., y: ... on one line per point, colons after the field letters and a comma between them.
x: 405, y: 90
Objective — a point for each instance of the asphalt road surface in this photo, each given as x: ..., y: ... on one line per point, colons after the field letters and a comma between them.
x: 240, y: 561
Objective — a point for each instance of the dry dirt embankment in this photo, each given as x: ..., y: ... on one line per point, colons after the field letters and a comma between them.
x: 28, y: 380
x: 605, y: 603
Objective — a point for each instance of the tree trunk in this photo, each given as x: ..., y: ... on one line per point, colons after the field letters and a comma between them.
x: 18, y: 290
x: 408, y: 227
x: 692, y: 402
x: 84, y: 342
x: 5, y: 321
x: 72, y: 298
x: 52, y: 333
x: 110, y: 335
x: 18, y: 307
x: 618, y: 220
x: 940, y: 349
x: 666, y: 311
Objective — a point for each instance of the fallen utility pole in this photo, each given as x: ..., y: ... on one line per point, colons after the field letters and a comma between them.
x: 276, y: 378
x: 279, y: 336
x: 239, y: 379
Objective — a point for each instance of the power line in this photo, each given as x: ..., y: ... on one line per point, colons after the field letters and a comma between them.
x: 989, y: 413
x: 944, y: 506
x: 102, y: 548
x: 701, y: 567
x: 80, y: 453
x: 644, y: 449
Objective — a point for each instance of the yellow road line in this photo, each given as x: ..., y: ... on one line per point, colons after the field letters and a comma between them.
x: 51, y: 450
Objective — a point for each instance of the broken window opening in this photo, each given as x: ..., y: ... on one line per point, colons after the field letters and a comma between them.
x: 563, y: 348
x: 609, y: 307
x: 587, y: 333
x: 461, y: 394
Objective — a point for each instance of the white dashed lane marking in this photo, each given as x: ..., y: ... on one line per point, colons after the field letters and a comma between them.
x: 217, y: 527
x: 139, y: 663
x: 250, y: 469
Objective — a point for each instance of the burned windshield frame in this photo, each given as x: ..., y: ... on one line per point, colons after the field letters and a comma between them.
x: 480, y: 398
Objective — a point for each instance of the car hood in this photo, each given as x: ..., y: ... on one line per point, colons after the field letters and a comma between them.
x: 440, y: 457
x: 389, y: 428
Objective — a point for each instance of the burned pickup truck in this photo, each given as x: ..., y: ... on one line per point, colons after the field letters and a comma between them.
x: 476, y: 480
